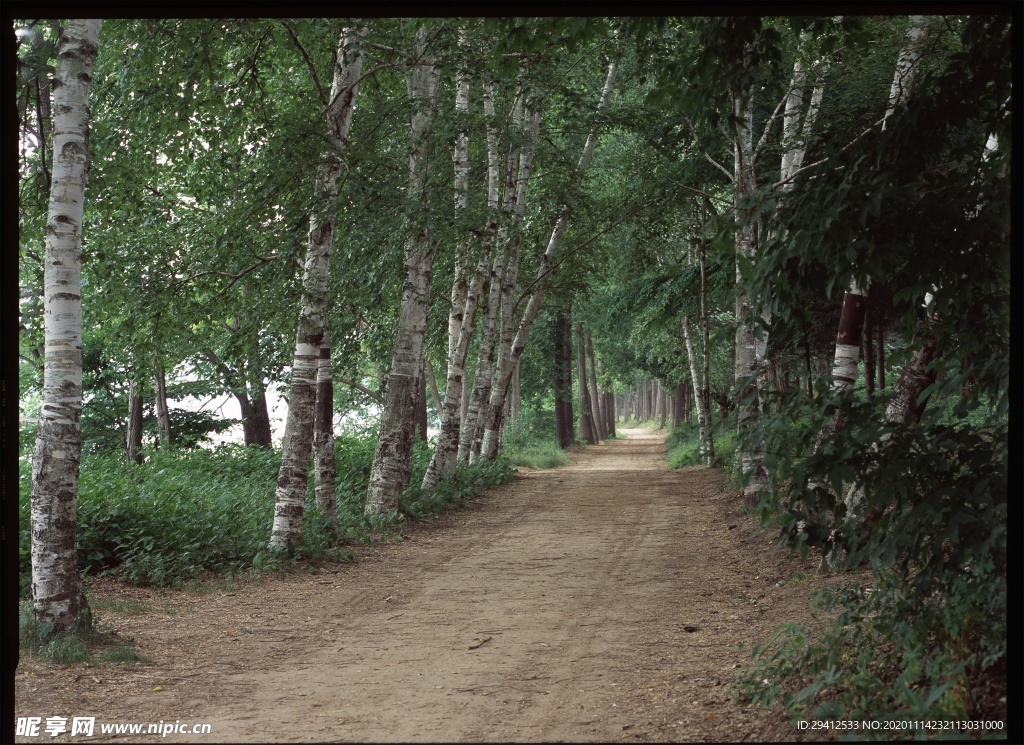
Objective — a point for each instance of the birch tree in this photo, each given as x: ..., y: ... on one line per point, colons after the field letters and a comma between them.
x: 466, y: 289
x: 310, y: 332
x: 846, y: 362
x: 510, y: 356
x: 392, y: 459
x: 324, y: 466
x: 58, y: 600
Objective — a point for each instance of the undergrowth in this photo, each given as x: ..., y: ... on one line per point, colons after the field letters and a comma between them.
x: 183, y: 514
x: 684, y: 445
x: 90, y: 642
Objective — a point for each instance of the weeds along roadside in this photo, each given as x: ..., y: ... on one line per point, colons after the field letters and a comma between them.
x: 181, y: 514
x: 919, y: 640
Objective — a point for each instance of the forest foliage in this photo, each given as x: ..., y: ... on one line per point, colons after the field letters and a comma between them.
x: 206, y: 135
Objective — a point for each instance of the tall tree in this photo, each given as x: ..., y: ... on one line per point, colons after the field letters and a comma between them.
x: 310, y: 332
x: 510, y: 355
x: 392, y: 459
x: 58, y: 600
x: 324, y: 466
x: 465, y: 296
x: 563, y: 379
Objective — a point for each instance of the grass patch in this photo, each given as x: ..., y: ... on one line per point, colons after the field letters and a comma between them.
x: 684, y: 446
x: 537, y: 455
x: 90, y: 642
x: 124, y: 653
x: 120, y: 607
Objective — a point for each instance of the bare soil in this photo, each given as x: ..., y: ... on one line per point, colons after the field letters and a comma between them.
x: 602, y: 601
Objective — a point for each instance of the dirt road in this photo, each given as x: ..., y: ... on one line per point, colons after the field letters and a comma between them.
x: 601, y: 601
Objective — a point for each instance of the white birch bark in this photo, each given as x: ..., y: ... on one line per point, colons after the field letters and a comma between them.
x: 465, y: 298
x: 747, y: 358
x: 163, y: 414
x: 472, y: 430
x: 707, y: 447
x: 324, y: 466
x: 499, y: 390
x: 58, y: 600
x: 845, y: 364
x: 392, y: 459
x: 298, y: 438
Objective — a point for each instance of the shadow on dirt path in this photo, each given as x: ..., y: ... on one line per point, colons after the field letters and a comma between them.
x: 601, y: 601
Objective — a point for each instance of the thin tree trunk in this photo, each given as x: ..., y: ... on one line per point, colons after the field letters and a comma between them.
x: 58, y: 600
x: 435, y: 397
x: 658, y: 408
x: 262, y: 434
x: 563, y: 380
x: 325, y: 469
x: 511, y: 356
x: 558, y: 384
x: 465, y: 299
x: 868, y: 346
x: 471, y: 432
x: 598, y: 418
x: 392, y: 460
x: 421, y: 408
x: 516, y: 401
x: 469, y: 437
x: 700, y: 384
x: 749, y: 348
x: 586, y: 420
x: 880, y: 332
x: 516, y: 184
x: 163, y: 414
x: 293, y: 475
x: 133, y: 439
x: 678, y: 399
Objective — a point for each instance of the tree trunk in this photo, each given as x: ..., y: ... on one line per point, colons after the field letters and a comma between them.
x: 511, y: 356
x: 163, y: 414
x: 516, y: 403
x: 324, y: 467
x: 586, y: 417
x: 880, y: 332
x: 392, y: 460
x: 469, y: 437
x: 58, y: 600
x: 133, y: 439
x: 868, y: 347
x: 848, y: 338
x: 749, y: 348
x: 465, y: 298
x: 703, y: 396
x: 678, y: 402
x: 595, y: 394
x: 563, y: 380
x: 421, y: 407
x: 262, y: 434
x: 293, y: 475
x: 507, y: 357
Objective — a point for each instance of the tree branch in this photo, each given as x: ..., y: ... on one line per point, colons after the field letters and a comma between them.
x: 309, y: 63
x: 362, y: 389
x: 526, y: 291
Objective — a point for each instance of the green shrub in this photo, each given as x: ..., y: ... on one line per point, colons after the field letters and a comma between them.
x: 683, y: 444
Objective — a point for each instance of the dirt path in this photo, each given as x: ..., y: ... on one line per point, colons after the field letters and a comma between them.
x: 601, y: 601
